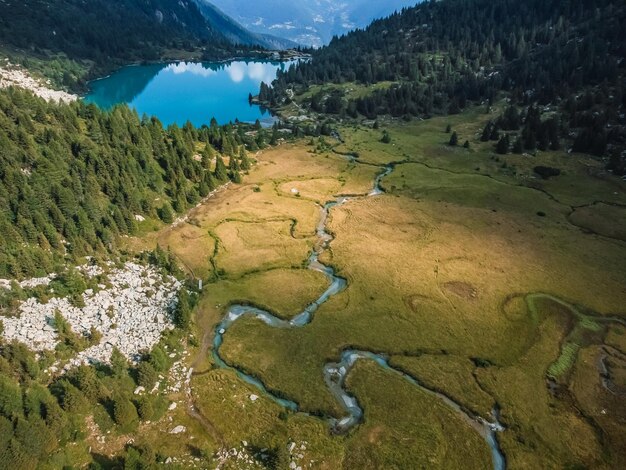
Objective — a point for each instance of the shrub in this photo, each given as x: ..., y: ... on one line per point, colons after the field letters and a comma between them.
x: 546, y: 172
x: 146, y: 407
x: 10, y: 397
x: 454, y: 139
x: 146, y: 375
x: 125, y: 413
x: 72, y: 399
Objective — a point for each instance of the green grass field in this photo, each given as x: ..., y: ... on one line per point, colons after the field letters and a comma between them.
x: 440, y: 270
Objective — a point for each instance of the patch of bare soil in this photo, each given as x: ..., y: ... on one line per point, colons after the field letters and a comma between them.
x: 462, y: 289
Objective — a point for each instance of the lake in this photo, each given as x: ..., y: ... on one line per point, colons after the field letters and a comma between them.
x: 194, y: 91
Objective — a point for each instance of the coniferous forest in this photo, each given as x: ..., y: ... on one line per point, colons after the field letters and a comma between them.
x: 87, y: 40
x: 73, y: 178
x: 441, y: 57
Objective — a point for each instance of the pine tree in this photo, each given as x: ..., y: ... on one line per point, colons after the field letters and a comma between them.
x: 119, y: 364
x: 274, y: 139
x: 245, y: 161
x: 146, y: 375
x: 10, y: 397
x: 454, y: 139
x: 166, y: 214
x: 221, y: 173
x: 125, y: 413
x: 182, y: 312
x: 486, y: 135
x: 503, y: 145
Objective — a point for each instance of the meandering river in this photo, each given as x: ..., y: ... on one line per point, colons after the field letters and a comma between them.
x: 335, y: 373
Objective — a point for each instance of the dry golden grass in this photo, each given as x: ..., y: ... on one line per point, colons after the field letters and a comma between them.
x: 443, y: 265
x: 194, y: 247
x: 319, y: 190
x: 438, y: 270
x: 257, y: 246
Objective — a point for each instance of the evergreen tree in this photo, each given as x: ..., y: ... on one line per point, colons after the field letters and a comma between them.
x: 119, y: 364
x: 182, y: 312
x: 146, y: 375
x: 245, y: 161
x: 486, y: 135
x: 454, y: 139
x: 125, y: 413
x: 221, y: 173
x: 274, y: 139
x: 166, y: 214
x: 10, y: 398
x: 503, y: 145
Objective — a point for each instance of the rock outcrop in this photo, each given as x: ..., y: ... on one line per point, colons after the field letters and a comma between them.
x: 130, y: 312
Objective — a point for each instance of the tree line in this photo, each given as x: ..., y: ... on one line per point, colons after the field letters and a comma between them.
x: 441, y: 56
x: 73, y: 178
x: 104, y: 34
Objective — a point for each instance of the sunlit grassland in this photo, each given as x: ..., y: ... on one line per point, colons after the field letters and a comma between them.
x: 604, y: 407
x: 451, y: 374
x: 439, y: 273
x: 350, y: 90
x: 543, y: 431
x: 406, y: 428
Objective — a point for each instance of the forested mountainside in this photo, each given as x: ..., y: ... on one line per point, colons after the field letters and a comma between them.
x: 90, y: 39
x: 74, y: 178
x: 236, y: 33
x: 442, y: 55
x: 100, y: 30
x: 309, y: 22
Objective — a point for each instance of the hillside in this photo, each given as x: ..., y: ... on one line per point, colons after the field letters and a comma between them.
x: 309, y: 22
x: 74, y: 178
x: 441, y: 57
x: 236, y: 33
x: 90, y: 39
x: 100, y: 30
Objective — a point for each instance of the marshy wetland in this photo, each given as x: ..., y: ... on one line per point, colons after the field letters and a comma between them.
x: 467, y: 291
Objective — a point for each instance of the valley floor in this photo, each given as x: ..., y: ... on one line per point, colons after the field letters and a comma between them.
x: 471, y: 275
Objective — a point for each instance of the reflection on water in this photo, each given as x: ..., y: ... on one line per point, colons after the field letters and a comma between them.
x: 192, y: 91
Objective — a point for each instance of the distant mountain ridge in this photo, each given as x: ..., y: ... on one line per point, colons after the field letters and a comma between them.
x: 309, y: 22
x: 236, y: 33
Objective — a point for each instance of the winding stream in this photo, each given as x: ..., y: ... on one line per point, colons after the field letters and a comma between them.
x: 335, y: 373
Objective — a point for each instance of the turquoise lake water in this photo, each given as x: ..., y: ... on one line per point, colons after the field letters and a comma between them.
x: 193, y: 91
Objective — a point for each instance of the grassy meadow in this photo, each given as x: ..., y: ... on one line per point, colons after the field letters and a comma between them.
x: 441, y: 269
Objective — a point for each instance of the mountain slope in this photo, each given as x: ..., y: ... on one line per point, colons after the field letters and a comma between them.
x: 101, y: 30
x: 441, y: 56
x: 236, y: 33
x: 73, y: 177
x: 309, y: 22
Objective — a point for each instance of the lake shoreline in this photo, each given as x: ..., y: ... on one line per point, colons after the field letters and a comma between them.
x: 244, y: 58
x: 189, y: 90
